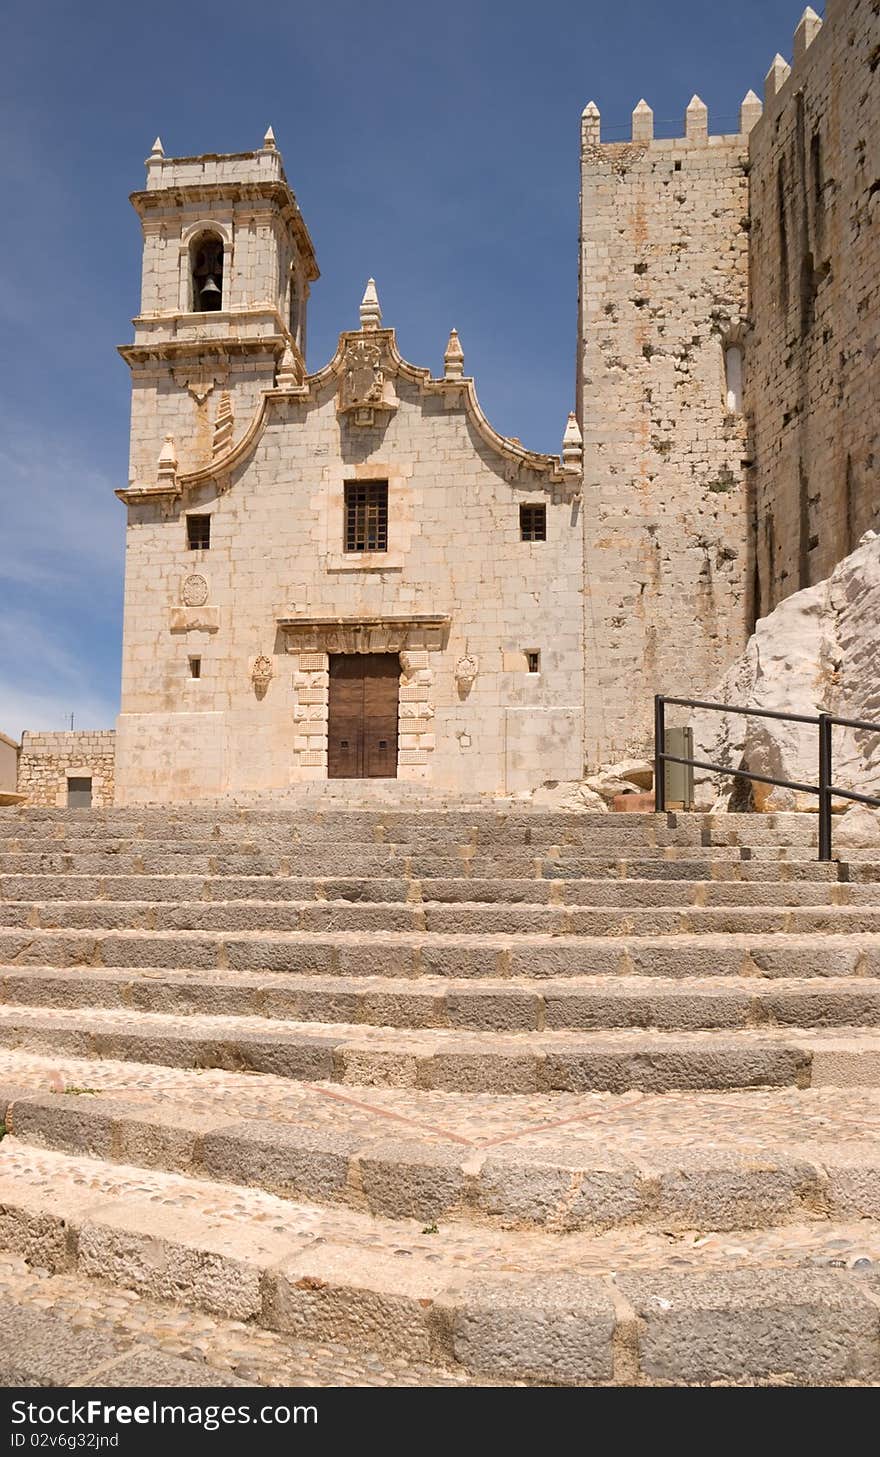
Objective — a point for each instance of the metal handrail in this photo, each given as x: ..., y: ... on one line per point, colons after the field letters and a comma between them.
x: 825, y: 789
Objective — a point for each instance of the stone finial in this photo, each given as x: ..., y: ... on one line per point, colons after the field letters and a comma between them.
x: 749, y: 112
x: 642, y: 122
x: 371, y: 313
x: 696, y: 120
x: 808, y: 28
x: 269, y: 144
x: 168, y: 463
x: 591, y: 124
x: 776, y: 78
x: 157, y: 151
x: 223, y: 426
x: 572, y: 444
x: 287, y: 374
x: 453, y: 359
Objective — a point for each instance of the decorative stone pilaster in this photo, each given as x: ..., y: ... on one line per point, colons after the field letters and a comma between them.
x: 311, y: 681
x: 415, y: 726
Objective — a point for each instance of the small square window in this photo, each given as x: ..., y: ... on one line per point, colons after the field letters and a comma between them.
x: 533, y: 662
x: 366, y: 516
x: 195, y: 667
x: 533, y: 523
x: 198, y: 532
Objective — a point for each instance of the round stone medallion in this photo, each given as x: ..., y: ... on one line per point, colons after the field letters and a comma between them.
x: 194, y: 591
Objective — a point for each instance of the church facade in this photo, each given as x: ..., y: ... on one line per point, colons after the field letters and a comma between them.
x: 350, y: 574
x: 345, y: 574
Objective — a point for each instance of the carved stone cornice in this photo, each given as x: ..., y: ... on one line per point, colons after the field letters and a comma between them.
x: 388, y: 633
x: 219, y: 349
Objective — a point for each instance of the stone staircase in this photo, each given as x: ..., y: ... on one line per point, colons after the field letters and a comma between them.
x: 464, y: 1096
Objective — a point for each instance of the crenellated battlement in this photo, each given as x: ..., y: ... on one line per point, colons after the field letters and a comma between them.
x: 776, y: 82
x: 696, y: 126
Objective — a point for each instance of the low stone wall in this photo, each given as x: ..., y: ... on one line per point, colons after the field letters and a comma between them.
x: 48, y: 760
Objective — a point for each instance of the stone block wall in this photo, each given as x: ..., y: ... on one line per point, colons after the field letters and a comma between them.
x: 813, y: 356
x: 48, y: 760
x: 663, y: 278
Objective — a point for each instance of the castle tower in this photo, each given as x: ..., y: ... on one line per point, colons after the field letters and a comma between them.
x: 227, y: 265
x: 663, y: 317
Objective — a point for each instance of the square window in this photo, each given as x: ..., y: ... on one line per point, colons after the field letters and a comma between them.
x: 198, y: 532
x: 533, y: 523
x: 366, y: 516
x: 195, y: 667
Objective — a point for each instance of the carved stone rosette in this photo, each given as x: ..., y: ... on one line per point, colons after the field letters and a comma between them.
x: 194, y: 590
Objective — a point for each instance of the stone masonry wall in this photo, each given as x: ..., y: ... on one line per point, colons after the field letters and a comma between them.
x: 813, y: 356
x: 47, y: 760
x: 663, y: 268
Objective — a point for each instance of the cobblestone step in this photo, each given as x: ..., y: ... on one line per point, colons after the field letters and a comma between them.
x: 72, y: 1330
x: 632, y: 893
x: 458, y: 1060
x: 415, y: 955
x: 624, y: 1307
x: 433, y: 917
x: 502, y: 1004
x: 553, y: 1169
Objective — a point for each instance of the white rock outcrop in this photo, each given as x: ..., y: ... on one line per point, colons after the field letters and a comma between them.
x: 819, y: 650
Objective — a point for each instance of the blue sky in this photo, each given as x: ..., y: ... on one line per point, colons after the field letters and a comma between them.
x: 434, y: 146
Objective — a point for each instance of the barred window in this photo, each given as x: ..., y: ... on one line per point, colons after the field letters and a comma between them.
x: 198, y: 533
x: 366, y: 516
x: 533, y: 523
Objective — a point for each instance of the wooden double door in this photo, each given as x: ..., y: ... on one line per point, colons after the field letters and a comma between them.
x: 364, y: 696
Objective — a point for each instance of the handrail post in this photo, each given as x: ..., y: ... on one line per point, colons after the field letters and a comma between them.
x: 659, y: 749
x: 825, y: 782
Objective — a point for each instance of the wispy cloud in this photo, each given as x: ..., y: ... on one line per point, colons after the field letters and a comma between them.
x: 20, y: 710
x: 59, y: 520
x: 43, y: 679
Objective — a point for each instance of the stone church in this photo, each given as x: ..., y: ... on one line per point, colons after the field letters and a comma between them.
x: 348, y: 573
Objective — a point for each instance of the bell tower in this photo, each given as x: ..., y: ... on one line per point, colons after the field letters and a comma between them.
x: 227, y: 268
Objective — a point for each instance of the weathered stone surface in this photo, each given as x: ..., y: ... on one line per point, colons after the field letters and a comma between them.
x: 819, y: 650
x: 801, y: 1326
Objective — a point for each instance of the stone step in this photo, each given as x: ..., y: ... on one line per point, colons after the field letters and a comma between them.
x: 680, y: 1161
x: 509, y: 1004
x: 421, y: 826
x: 606, y: 1308
x: 435, y: 918
x: 71, y: 1330
x: 599, y: 893
x: 457, y: 1060
x: 720, y: 864
x: 400, y: 954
